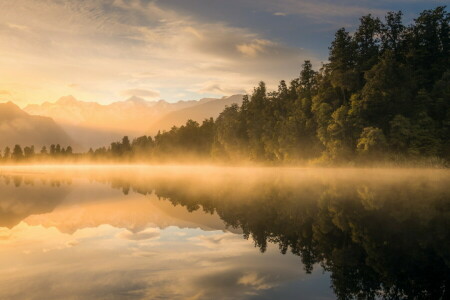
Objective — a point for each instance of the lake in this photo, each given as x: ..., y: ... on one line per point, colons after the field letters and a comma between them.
x: 204, y: 232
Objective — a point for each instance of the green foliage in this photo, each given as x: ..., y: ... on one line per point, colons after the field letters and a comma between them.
x: 401, y: 134
x: 338, y: 138
x: 428, y: 41
x: 385, y: 94
x: 372, y: 142
x: 230, y: 140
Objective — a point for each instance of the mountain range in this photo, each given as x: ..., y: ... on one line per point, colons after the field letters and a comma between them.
x: 19, y: 127
x: 90, y: 124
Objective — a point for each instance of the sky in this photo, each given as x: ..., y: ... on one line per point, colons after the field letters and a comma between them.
x: 110, y: 50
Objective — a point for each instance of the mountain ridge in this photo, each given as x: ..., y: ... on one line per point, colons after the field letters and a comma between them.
x: 19, y: 127
x: 93, y: 124
x: 197, y: 113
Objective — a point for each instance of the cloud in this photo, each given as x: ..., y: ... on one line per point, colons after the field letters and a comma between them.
x: 140, y: 93
x: 4, y: 234
x: 220, y: 89
x: 176, y: 268
x: 113, y: 48
x: 323, y: 10
x: 254, y: 47
x: 282, y: 14
x: 5, y: 92
x: 72, y: 243
x: 18, y: 27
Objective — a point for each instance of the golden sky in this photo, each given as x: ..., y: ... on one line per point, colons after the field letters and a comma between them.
x: 109, y: 50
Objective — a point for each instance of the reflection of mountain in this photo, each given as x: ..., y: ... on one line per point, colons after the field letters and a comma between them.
x: 92, y: 124
x: 19, y: 199
x: 27, y: 198
x: 135, y: 213
x: 19, y: 127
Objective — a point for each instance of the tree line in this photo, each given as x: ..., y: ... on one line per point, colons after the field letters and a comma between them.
x: 384, y: 94
x: 29, y: 153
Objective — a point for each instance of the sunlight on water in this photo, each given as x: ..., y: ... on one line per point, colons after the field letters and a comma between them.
x: 140, y: 232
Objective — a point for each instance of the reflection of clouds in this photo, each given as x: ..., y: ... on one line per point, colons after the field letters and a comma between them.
x: 4, y: 234
x: 216, y: 240
x: 113, y: 263
x: 147, y: 234
x: 72, y: 243
x: 180, y: 233
x: 254, y: 280
x: 140, y: 253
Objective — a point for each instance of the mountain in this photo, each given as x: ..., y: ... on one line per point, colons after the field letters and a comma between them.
x: 94, y: 125
x: 19, y: 127
x: 197, y: 113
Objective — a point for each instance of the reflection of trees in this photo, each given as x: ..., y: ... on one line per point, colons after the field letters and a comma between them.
x: 19, y: 180
x: 386, y: 239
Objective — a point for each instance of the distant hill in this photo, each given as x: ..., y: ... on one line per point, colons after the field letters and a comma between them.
x: 94, y: 125
x: 197, y: 113
x: 19, y: 127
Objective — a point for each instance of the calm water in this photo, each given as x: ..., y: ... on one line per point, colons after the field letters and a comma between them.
x: 223, y: 233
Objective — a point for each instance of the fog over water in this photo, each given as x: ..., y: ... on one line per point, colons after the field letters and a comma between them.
x: 202, y: 232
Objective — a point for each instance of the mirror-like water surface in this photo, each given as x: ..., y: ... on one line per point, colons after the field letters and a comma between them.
x: 223, y: 233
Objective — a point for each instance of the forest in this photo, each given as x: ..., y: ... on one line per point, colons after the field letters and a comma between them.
x: 383, y: 95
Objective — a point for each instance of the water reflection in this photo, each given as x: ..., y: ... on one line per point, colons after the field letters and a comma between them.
x: 375, y: 233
